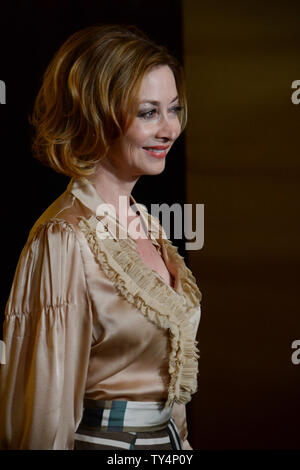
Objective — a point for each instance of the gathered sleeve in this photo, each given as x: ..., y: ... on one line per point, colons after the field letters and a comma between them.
x: 48, y: 334
x: 179, y: 416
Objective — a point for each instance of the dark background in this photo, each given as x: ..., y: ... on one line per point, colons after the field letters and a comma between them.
x: 242, y: 161
x: 239, y: 156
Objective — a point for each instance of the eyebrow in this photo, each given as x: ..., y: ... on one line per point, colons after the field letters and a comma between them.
x: 157, y: 102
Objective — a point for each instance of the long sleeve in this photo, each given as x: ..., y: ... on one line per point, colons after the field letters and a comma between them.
x: 47, y: 332
x: 179, y: 416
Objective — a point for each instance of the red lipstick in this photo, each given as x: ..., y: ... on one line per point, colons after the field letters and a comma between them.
x: 157, y: 151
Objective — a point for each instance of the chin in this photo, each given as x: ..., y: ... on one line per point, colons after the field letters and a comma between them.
x: 154, y: 171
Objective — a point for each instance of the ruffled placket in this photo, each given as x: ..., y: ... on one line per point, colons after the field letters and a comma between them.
x: 169, y: 308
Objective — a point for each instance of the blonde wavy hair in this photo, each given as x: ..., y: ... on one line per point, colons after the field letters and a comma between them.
x: 88, y: 95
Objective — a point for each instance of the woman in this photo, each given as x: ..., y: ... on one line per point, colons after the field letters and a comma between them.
x: 102, y: 316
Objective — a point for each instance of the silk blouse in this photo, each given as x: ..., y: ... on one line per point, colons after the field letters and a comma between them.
x: 87, y: 319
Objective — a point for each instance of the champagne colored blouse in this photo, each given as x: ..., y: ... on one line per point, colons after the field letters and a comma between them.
x: 86, y: 318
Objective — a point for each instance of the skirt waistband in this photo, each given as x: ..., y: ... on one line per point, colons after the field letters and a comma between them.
x: 126, y: 416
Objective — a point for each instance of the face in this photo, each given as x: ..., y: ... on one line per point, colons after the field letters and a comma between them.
x: 145, y: 145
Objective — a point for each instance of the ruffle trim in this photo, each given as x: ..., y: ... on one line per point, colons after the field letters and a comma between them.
x: 160, y: 303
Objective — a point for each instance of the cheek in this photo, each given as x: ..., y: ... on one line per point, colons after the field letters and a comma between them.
x: 137, y: 135
x: 178, y: 129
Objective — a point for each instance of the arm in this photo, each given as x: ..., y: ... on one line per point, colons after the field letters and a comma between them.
x: 48, y: 337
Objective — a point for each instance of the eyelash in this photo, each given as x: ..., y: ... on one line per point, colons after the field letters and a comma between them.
x: 149, y: 114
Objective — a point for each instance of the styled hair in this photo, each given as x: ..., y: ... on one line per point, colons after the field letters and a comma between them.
x: 88, y: 95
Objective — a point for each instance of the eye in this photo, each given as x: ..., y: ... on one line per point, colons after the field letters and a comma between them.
x: 176, y: 109
x: 147, y: 114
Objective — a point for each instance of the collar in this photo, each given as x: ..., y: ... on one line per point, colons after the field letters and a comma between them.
x: 84, y: 190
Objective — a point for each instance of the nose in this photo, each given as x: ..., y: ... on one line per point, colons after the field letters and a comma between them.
x: 168, y: 129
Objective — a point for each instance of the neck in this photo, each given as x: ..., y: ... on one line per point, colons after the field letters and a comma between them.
x: 110, y: 186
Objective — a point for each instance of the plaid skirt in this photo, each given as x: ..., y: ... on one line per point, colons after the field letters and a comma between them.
x: 126, y: 425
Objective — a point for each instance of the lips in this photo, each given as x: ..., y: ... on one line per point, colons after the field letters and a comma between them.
x: 157, y: 151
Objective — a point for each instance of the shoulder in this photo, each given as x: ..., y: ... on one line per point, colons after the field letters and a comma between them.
x: 53, y: 238
x: 62, y: 216
x: 50, y: 226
